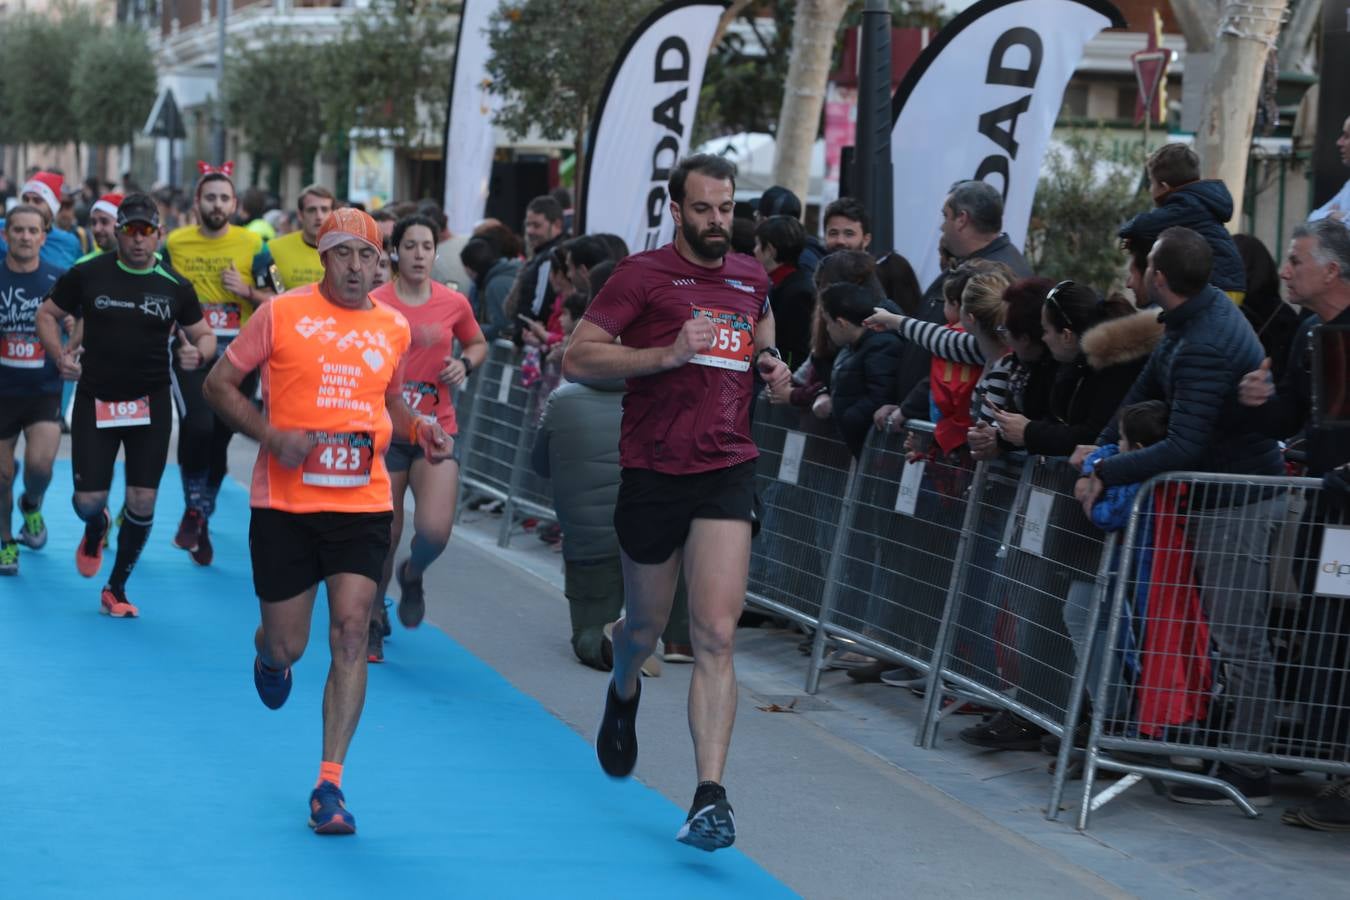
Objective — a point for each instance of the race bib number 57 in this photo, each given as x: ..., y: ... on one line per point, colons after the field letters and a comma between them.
x: 339, y: 460
x: 733, y: 340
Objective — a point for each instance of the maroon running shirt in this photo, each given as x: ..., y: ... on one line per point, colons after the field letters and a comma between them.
x: 695, y: 418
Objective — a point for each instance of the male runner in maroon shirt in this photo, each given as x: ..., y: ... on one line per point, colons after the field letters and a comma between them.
x: 693, y: 321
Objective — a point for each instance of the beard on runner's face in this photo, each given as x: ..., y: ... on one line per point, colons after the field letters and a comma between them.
x: 215, y: 220
x: 700, y: 243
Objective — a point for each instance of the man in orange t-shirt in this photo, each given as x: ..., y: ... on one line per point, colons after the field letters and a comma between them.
x: 332, y: 375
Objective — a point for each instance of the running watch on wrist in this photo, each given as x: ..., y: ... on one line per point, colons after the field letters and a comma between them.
x: 772, y: 351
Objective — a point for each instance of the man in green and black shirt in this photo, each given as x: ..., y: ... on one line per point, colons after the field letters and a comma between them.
x: 131, y: 304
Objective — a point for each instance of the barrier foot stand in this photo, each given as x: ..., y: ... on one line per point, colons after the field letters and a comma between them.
x: 1135, y: 774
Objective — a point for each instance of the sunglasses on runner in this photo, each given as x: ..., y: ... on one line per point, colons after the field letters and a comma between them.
x: 138, y: 229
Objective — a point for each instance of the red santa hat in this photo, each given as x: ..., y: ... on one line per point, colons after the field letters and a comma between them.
x: 46, y: 185
x: 108, y: 203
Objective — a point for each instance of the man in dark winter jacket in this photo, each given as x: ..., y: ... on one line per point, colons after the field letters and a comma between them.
x: 1182, y: 200
x: 972, y: 228
x: 532, y: 295
x: 863, y: 377
x: 779, y: 242
x: 1316, y: 274
x: 1206, y: 349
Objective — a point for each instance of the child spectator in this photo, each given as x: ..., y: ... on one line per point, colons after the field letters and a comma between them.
x: 863, y: 376
x: 1182, y: 199
x: 1141, y: 425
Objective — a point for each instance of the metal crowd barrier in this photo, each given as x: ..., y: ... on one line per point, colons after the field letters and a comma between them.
x: 1229, y: 626
x: 496, y: 439
x: 904, y: 514
x: 803, y: 477
x: 1213, y: 630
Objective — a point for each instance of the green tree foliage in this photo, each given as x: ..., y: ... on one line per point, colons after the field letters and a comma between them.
x: 391, y: 70
x: 274, y: 91
x: 35, y: 67
x: 550, y: 60
x: 743, y: 84
x: 1086, y: 192
x: 119, y: 57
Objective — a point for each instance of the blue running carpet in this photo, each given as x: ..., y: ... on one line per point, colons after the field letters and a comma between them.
x: 140, y: 762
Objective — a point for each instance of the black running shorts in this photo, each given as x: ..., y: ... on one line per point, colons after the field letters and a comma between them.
x: 292, y: 552
x: 17, y: 413
x: 93, y: 450
x: 654, y: 510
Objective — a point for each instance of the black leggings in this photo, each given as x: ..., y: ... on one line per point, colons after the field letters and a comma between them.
x: 93, y: 450
x: 203, y: 439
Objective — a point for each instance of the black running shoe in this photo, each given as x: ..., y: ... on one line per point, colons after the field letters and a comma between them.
x: 412, y: 603
x: 616, y: 745
x: 711, y: 824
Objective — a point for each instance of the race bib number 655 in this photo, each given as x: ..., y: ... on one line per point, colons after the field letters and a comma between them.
x: 339, y: 460
x: 733, y: 340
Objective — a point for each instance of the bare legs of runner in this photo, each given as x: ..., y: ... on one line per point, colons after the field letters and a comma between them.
x: 284, y: 633
x: 716, y: 560
x: 41, y: 441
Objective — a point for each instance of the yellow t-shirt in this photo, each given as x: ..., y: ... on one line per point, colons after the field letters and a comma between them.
x: 297, y: 262
x: 201, y: 260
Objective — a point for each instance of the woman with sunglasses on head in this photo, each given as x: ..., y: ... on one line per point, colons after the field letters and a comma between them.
x: 1101, y: 346
x: 439, y: 318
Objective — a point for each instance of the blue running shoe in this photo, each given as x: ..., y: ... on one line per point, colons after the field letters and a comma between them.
x: 328, y: 811
x: 273, y: 687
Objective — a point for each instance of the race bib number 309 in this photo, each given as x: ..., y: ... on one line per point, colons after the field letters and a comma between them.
x: 339, y: 460
x: 21, y: 351
x: 733, y: 340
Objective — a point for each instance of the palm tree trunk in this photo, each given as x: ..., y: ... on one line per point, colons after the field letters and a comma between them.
x: 813, y: 36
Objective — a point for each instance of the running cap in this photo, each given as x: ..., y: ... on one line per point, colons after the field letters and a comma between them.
x: 779, y: 201
x: 108, y: 203
x: 349, y: 224
x: 46, y: 185
x: 137, y: 208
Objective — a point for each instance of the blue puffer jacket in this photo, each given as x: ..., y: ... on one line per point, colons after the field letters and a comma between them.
x: 1203, y: 207
x: 1206, y: 349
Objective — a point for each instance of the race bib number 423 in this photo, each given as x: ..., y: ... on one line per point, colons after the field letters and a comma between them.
x: 339, y: 460
x: 733, y: 340
x: 21, y: 351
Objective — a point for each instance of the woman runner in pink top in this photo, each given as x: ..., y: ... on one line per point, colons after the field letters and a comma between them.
x: 438, y: 317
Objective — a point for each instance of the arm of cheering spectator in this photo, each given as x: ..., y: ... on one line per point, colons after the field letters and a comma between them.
x: 1200, y: 391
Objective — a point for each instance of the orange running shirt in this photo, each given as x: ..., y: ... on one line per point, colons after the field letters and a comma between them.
x: 446, y: 317
x: 325, y: 370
